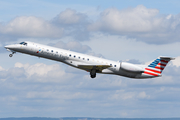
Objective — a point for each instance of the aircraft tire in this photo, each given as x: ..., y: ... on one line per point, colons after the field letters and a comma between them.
x: 10, y: 55
x: 93, y: 73
x: 93, y: 76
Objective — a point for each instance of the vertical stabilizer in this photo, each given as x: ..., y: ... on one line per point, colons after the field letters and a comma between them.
x: 157, y: 66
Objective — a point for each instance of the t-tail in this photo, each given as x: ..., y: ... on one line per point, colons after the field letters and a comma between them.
x: 157, y: 66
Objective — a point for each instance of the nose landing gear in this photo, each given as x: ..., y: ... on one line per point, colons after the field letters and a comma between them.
x: 93, y: 73
x: 10, y: 55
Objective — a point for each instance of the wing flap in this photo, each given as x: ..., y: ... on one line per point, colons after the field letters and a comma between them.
x: 96, y: 67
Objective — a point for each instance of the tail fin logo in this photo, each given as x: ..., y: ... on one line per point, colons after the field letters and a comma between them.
x: 155, y: 63
x: 157, y: 66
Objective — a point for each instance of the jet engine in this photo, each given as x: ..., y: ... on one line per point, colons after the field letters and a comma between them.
x: 131, y: 67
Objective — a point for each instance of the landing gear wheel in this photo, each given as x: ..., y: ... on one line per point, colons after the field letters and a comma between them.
x: 93, y: 76
x: 93, y: 73
x: 10, y: 55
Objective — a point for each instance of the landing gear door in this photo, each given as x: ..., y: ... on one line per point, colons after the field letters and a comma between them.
x: 61, y: 56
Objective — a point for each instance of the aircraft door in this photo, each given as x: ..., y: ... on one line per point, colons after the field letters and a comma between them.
x: 34, y: 48
x: 62, y: 56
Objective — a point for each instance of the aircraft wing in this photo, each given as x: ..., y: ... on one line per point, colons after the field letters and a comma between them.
x: 96, y: 67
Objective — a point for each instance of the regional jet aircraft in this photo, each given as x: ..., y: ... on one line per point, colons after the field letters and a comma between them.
x: 90, y: 63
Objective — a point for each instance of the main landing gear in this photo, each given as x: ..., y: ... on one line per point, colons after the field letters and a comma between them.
x: 93, y: 73
x: 10, y: 55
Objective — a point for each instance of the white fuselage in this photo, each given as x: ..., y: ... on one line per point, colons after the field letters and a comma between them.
x: 77, y: 60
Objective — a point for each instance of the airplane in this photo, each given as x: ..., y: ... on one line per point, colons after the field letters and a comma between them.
x: 90, y: 63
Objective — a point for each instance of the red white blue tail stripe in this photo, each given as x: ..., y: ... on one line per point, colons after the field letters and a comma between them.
x: 156, y: 67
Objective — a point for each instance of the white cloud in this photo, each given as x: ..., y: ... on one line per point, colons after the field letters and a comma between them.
x: 74, y: 23
x: 140, y: 22
x: 73, y: 45
x: 30, y: 26
x: 58, y: 95
x: 42, y: 70
x: 143, y: 95
x: 1, y: 69
x: 16, y: 72
x: 139, y: 19
x: 60, y: 91
x: 70, y: 17
x: 176, y: 62
x: 122, y: 95
x: 126, y: 95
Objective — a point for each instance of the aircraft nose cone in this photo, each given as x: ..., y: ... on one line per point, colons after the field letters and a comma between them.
x: 9, y: 46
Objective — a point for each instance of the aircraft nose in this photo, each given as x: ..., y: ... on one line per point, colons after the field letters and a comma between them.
x: 6, y: 46
x: 9, y: 46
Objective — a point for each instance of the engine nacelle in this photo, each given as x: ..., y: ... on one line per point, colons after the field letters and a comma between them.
x: 131, y: 67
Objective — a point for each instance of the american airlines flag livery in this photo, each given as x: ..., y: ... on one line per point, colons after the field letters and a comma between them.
x: 91, y: 64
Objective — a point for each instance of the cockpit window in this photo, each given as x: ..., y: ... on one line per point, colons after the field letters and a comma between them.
x: 23, y: 43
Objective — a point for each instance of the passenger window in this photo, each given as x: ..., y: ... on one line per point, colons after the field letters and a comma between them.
x: 88, y: 59
x: 70, y: 55
x: 51, y: 50
x: 114, y: 65
x: 110, y: 64
x: 47, y: 49
x: 79, y: 57
x: 74, y: 56
x: 57, y: 52
x: 83, y: 58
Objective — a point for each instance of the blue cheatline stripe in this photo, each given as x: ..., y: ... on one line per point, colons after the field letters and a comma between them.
x: 154, y: 63
x: 157, y: 60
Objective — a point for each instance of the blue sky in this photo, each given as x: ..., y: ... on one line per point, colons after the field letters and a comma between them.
x: 137, y: 31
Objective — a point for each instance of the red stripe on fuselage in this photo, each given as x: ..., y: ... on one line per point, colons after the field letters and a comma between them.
x: 150, y: 73
x: 153, y: 70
